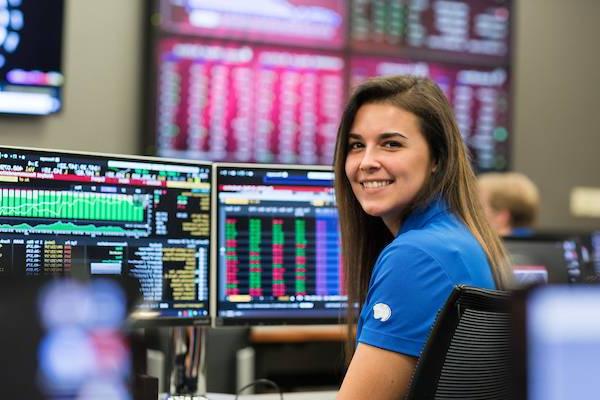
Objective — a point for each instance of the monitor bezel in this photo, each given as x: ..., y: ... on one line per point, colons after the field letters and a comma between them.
x: 219, y: 321
x: 146, y: 320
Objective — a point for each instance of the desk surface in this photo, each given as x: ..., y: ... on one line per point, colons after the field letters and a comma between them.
x: 327, y: 395
x: 287, y: 334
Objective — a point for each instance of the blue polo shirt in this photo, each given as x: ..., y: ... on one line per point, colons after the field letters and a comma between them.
x: 414, y: 275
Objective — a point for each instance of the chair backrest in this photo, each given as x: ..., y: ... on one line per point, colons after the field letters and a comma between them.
x: 467, y: 355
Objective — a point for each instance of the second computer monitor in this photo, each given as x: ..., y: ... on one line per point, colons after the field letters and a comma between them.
x: 546, y: 259
x: 278, y: 245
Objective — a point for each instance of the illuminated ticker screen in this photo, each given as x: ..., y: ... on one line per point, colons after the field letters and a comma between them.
x: 302, y: 22
x: 266, y: 81
x: 102, y: 215
x: 278, y: 245
x: 231, y: 102
x: 465, y: 28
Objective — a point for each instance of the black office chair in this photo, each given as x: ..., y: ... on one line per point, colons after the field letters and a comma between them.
x: 467, y: 355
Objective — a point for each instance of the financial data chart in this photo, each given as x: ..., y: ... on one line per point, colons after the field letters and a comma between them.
x: 147, y: 219
x: 266, y: 81
x: 278, y: 245
x: 250, y: 103
x: 463, y: 28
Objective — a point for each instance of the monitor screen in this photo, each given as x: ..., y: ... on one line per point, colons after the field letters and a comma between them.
x: 266, y: 81
x: 562, y: 342
x: 278, y: 245
x: 31, y: 56
x: 545, y: 260
x: 317, y: 23
x: 102, y: 215
x: 463, y: 28
x: 240, y: 102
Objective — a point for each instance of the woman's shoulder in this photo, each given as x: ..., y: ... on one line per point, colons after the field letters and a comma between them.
x: 435, y: 236
x: 409, y: 249
x: 444, y: 244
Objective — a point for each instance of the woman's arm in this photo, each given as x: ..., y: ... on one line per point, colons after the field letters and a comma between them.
x: 375, y: 373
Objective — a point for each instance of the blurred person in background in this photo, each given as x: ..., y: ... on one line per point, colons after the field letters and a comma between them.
x: 511, y: 202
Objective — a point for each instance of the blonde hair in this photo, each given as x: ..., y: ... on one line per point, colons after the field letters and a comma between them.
x: 514, y: 192
x: 364, y: 236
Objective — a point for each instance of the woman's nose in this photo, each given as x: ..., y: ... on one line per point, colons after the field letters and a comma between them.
x: 369, y: 161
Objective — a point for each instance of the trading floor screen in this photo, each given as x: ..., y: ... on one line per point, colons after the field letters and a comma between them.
x: 266, y: 81
x: 278, y: 245
x: 83, y: 214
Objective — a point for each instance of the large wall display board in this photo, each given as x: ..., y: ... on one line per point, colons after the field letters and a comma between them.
x: 266, y: 81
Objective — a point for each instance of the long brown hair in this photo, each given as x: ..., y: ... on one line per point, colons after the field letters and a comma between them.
x: 364, y: 236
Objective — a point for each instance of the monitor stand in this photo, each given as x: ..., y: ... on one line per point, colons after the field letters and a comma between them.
x: 189, y: 362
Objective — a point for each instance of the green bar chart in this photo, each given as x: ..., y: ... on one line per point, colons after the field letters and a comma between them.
x: 72, y: 205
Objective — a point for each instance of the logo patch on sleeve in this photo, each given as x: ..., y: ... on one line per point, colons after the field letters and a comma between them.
x: 382, y: 311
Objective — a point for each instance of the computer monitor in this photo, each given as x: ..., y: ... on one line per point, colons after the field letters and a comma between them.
x: 557, y: 342
x: 278, y: 245
x: 85, y: 214
x: 64, y: 339
x: 31, y: 73
x: 545, y: 259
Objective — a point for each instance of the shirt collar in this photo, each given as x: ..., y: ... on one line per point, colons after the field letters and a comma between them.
x: 421, y: 216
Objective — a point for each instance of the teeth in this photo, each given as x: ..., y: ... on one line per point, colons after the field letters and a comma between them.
x: 375, y: 184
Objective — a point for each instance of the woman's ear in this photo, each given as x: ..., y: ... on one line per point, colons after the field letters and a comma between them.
x: 434, y: 168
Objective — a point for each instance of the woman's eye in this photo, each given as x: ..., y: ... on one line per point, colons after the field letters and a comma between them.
x: 392, y: 144
x: 355, y: 145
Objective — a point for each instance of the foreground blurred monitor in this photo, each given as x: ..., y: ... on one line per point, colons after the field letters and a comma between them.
x: 102, y: 215
x: 278, y: 244
x: 558, y: 331
x: 546, y: 259
x: 64, y: 339
x: 31, y: 78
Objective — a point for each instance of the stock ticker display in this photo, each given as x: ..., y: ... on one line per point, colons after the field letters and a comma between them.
x: 96, y: 215
x: 266, y: 81
x: 278, y: 245
x: 248, y: 103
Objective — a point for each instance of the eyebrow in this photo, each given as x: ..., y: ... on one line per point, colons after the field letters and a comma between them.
x: 382, y: 136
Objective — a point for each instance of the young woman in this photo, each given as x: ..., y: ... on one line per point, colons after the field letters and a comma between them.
x: 411, y: 223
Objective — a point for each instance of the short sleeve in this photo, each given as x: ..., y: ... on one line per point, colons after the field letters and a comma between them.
x: 407, y: 289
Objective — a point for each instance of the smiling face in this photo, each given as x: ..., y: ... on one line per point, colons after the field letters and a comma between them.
x: 388, y: 161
